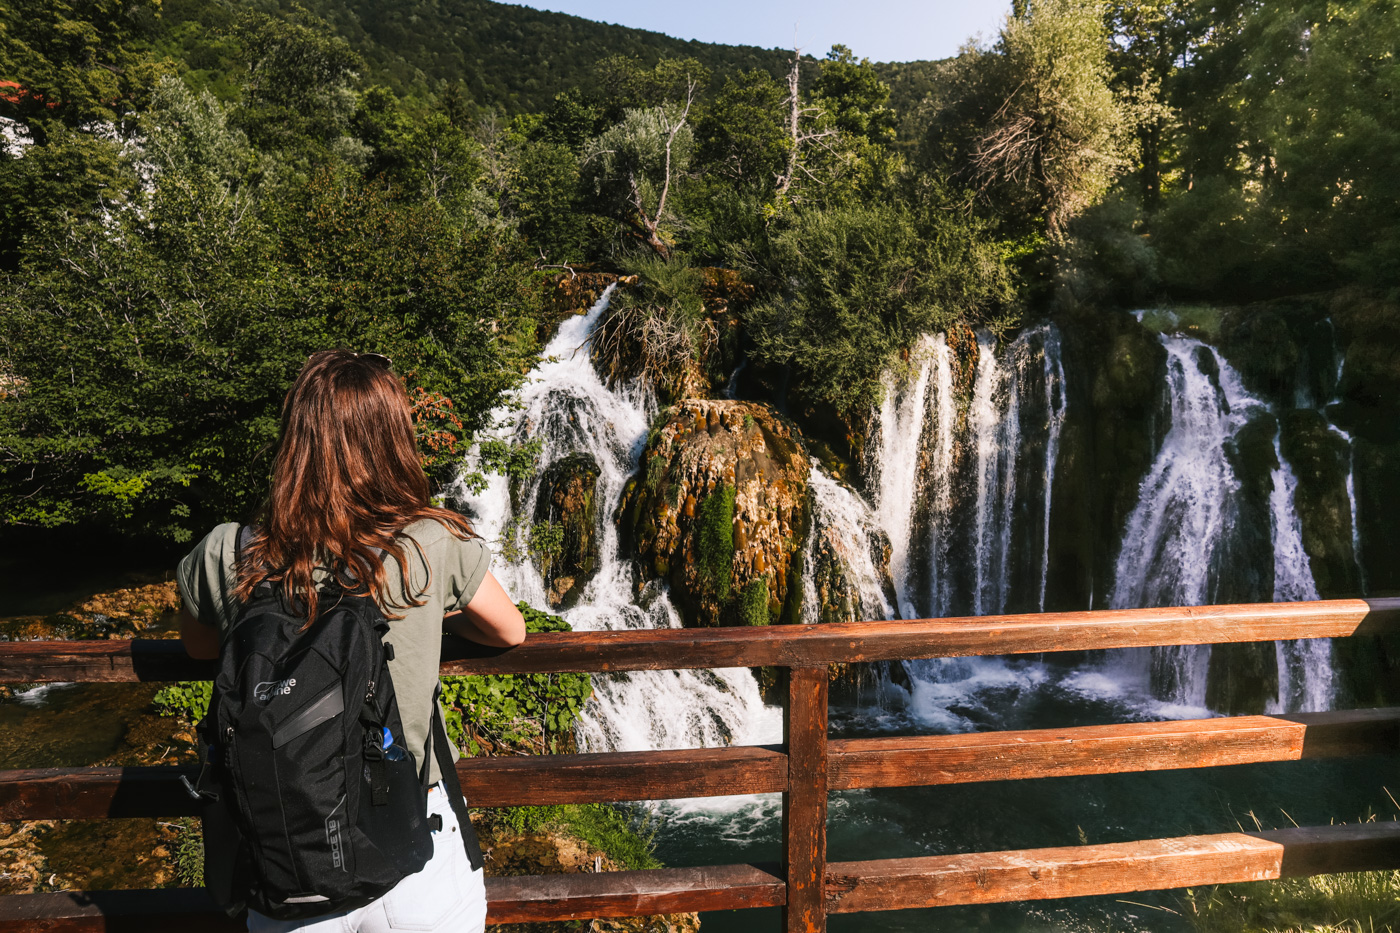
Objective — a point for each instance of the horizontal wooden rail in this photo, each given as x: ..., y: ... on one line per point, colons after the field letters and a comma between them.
x: 1116, y: 868
x: 932, y: 881
x: 782, y: 646
x: 1113, y: 749
x: 900, y: 761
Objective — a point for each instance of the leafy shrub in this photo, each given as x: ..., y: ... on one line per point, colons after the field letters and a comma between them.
x: 515, y: 712
x: 188, y: 699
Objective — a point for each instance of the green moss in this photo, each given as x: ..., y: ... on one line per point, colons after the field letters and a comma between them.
x: 714, y: 522
x: 753, y: 602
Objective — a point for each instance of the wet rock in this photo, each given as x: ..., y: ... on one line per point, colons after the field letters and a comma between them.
x: 566, y: 504
x: 1117, y: 415
x: 148, y: 610
x: 720, y: 510
x: 1241, y: 679
x: 1321, y: 461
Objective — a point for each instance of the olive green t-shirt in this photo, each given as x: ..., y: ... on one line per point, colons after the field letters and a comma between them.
x: 445, y: 576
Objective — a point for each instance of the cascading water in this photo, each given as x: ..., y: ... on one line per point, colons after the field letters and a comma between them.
x: 995, y: 426
x: 843, y: 524
x: 901, y: 422
x: 1185, y: 505
x: 1056, y: 404
x: 1175, y: 543
x: 567, y: 407
x: 1304, y: 667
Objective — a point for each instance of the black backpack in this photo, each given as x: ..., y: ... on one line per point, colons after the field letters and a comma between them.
x: 311, y: 804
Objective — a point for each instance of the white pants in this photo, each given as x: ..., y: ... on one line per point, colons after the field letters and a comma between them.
x: 445, y: 897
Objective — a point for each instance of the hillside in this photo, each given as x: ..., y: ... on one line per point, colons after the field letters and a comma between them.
x: 506, y: 56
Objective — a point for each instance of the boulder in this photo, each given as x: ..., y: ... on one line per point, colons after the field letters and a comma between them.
x: 720, y: 511
x: 566, y: 504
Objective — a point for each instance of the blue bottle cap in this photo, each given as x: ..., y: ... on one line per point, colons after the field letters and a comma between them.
x: 388, y: 737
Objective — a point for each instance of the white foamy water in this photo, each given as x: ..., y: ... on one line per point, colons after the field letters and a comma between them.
x: 569, y: 408
x: 844, y: 524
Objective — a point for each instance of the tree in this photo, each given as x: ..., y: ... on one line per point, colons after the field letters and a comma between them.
x: 864, y: 280
x: 633, y: 166
x: 1061, y: 134
x: 854, y: 97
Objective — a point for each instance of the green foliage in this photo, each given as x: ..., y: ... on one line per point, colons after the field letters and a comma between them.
x: 516, y: 712
x: 189, y: 852
x: 188, y: 699
x: 753, y: 602
x: 714, y: 523
x: 155, y: 347
x: 624, y: 833
x: 658, y: 328
x: 864, y: 282
x: 854, y: 96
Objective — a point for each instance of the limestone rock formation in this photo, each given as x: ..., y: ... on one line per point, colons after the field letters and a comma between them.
x: 566, y: 506
x: 720, y: 510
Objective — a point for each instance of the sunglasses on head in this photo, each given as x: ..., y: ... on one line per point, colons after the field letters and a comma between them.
x: 379, y: 358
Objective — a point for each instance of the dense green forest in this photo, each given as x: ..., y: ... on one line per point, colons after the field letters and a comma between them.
x: 196, y: 195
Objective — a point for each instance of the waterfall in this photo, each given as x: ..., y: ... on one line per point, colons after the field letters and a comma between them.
x: 843, y: 524
x: 901, y: 421
x: 945, y: 417
x: 1304, y: 667
x: 995, y: 426
x: 1185, y: 504
x: 1056, y: 404
x: 1185, y: 507
x: 566, y: 405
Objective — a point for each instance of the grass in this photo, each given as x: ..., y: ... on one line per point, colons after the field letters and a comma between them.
x: 1354, y: 902
x: 1351, y: 902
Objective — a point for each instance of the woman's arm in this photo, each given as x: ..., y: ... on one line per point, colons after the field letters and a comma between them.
x: 490, y: 618
x: 201, y: 641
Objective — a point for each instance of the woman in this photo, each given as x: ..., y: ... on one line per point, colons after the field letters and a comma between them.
x: 349, y: 501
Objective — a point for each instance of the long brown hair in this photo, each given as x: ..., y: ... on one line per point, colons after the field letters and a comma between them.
x: 346, y: 480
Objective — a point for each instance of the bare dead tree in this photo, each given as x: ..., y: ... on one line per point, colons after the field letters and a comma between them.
x: 797, y: 115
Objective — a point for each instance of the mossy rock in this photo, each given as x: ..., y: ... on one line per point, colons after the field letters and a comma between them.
x: 566, y: 499
x: 1321, y: 460
x: 720, y: 510
x: 1241, y: 679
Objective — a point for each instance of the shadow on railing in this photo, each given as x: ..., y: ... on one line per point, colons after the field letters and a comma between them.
x: 804, y: 769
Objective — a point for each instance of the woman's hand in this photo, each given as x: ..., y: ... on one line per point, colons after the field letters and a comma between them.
x: 490, y: 618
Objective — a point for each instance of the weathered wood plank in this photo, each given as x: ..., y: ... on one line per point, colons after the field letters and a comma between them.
x: 510, y: 900
x: 901, y: 761
x: 804, y: 804
x: 1117, y: 868
x: 907, y: 761
x: 616, y: 776
x: 90, y: 793
x: 175, y: 910
x: 784, y: 646
x: 629, y: 893
x: 977, y: 878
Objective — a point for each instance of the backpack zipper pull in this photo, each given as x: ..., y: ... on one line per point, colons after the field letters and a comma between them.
x: 369, y: 692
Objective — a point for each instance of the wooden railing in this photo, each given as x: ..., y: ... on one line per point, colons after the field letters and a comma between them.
x: 805, y: 768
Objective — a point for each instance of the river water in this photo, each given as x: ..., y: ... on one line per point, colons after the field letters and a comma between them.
x: 962, y: 498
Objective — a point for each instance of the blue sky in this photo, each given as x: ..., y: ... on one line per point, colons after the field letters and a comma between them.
x: 881, y: 30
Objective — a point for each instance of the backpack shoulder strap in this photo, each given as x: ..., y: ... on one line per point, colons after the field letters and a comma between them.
x: 437, y: 738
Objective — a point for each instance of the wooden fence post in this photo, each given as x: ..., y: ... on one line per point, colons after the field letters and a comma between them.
x: 804, y: 803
